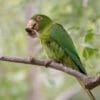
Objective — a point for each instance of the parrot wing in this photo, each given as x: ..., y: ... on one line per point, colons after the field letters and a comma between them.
x: 62, y: 38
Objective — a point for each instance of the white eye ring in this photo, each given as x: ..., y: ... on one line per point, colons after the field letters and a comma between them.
x: 39, y: 18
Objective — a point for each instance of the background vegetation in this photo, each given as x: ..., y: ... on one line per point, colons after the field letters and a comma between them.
x: 81, y: 18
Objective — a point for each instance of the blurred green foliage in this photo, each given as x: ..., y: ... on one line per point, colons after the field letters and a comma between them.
x: 83, y: 25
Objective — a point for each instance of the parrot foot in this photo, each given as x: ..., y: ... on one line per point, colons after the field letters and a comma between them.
x: 48, y: 62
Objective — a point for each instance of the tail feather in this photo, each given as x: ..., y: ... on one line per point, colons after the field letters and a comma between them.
x: 87, y: 90
x: 90, y: 94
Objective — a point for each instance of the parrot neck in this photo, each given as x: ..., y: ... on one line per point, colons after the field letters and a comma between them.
x: 44, y: 26
x: 44, y: 35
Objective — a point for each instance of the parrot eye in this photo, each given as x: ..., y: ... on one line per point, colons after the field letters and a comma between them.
x: 39, y: 18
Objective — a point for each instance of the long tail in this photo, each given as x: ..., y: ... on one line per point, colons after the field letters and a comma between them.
x: 87, y: 90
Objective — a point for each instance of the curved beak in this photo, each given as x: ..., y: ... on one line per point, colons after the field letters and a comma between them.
x: 31, y: 28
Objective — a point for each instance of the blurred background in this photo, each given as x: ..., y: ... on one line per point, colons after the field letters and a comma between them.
x: 81, y: 18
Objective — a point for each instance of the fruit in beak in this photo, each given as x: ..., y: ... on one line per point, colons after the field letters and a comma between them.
x: 32, y: 28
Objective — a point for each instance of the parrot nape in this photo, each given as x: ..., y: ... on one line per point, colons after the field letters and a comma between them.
x: 56, y: 42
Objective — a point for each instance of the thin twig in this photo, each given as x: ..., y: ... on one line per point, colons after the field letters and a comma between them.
x: 90, y: 82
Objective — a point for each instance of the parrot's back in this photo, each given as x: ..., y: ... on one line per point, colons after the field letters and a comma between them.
x: 52, y: 40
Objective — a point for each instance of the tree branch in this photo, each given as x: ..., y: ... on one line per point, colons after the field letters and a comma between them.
x: 90, y: 82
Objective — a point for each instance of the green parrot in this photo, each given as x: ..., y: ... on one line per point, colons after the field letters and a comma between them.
x: 57, y: 43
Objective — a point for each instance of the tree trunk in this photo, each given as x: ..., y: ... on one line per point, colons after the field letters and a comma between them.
x: 34, y: 79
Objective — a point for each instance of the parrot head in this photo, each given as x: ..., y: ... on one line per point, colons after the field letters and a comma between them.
x: 37, y: 24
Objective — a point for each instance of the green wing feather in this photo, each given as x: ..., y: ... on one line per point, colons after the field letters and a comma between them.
x: 61, y: 37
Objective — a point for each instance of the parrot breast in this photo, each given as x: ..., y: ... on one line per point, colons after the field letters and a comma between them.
x: 55, y: 52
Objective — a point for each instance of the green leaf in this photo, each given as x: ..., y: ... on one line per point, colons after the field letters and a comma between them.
x: 88, y: 51
x: 89, y: 35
